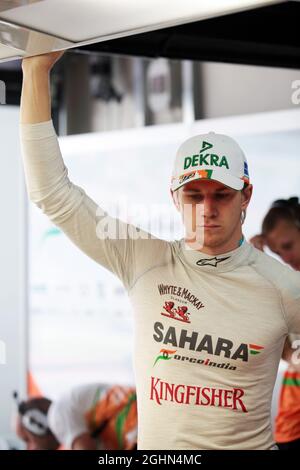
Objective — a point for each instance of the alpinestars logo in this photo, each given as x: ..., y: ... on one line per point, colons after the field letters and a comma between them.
x: 210, y: 261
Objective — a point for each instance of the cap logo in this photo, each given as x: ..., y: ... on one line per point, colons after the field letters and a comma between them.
x: 205, y: 146
x: 205, y: 158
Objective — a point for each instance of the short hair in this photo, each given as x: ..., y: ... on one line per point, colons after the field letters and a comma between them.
x: 40, y: 403
x: 245, y: 186
x: 282, y: 209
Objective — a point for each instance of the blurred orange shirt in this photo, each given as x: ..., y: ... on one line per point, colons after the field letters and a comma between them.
x: 287, y: 426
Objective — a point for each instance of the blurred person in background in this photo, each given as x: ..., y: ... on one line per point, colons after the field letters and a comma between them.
x: 281, y: 234
x: 89, y: 417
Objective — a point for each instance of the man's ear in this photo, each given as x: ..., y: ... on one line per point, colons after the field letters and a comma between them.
x: 246, y: 195
x: 175, y: 199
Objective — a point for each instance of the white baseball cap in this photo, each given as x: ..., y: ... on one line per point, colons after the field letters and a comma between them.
x: 210, y: 156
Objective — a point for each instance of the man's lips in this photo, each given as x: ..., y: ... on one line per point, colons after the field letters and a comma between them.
x: 296, y: 267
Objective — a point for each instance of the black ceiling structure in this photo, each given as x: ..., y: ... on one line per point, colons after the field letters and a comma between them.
x: 265, y: 36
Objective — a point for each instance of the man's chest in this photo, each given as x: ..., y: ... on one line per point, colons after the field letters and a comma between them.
x: 206, y: 319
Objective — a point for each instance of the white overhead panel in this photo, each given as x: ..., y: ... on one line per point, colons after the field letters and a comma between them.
x: 6, y: 53
x: 37, y: 26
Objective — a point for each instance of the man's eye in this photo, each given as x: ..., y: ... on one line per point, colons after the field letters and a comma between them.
x: 287, y: 247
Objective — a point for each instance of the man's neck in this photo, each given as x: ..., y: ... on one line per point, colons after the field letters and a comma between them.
x: 212, y: 251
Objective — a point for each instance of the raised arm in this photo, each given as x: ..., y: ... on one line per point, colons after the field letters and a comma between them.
x: 66, y: 204
x: 35, y: 98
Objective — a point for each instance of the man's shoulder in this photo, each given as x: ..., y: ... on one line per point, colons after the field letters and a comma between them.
x: 273, y: 269
x: 153, y: 249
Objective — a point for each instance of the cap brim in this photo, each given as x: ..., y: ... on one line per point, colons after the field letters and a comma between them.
x: 217, y: 175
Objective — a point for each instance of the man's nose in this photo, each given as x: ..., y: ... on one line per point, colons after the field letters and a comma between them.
x: 209, y: 207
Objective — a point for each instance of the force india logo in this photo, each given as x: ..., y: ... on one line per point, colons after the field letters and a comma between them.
x: 193, y: 341
x: 167, y: 354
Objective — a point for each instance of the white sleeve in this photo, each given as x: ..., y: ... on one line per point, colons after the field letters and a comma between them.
x: 79, y: 217
x: 66, y: 421
x: 66, y: 416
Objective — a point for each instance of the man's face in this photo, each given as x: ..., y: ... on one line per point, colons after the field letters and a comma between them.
x: 211, y: 212
x: 284, y: 240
